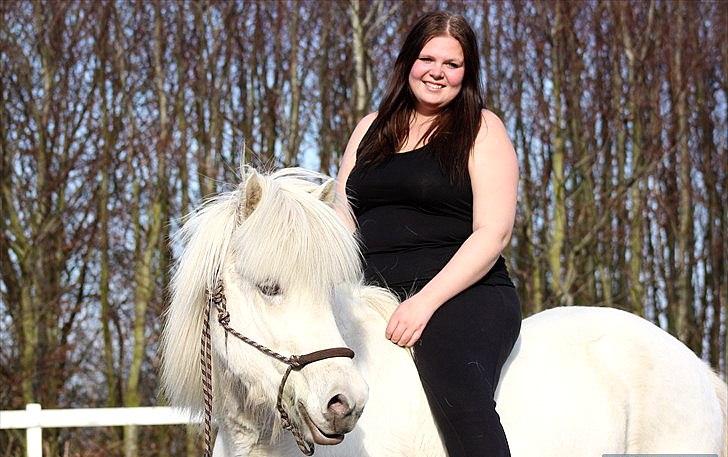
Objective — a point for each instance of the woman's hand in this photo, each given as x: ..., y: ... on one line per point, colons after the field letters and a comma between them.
x: 408, y: 321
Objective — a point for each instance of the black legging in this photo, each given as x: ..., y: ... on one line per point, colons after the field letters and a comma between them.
x: 459, y: 358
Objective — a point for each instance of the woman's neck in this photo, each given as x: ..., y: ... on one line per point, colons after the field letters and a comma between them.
x: 419, y: 125
x: 421, y: 120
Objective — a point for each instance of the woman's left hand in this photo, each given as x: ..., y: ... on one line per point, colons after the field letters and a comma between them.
x: 408, y: 321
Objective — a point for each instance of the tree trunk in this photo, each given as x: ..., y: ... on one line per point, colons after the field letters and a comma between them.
x: 685, y: 324
x: 557, y: 233
x: 361, y: 91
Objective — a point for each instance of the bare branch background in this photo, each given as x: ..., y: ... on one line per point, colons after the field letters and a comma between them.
x: 118, y: 117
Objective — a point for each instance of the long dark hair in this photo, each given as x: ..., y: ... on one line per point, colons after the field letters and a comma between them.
x: 455, y: 128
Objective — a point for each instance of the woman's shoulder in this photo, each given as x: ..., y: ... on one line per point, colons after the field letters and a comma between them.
x: 348, y: 160
x: 366, y: 121
x: 357, y: 135
x: 489, y: 119
x: 492, y: 130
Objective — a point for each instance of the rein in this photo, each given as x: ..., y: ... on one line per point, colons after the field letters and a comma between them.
x: 294, y: 362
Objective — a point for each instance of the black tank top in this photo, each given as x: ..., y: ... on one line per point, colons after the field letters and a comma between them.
x: 412, y: 219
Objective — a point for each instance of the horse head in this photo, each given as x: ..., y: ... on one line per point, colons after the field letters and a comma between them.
x: 280, y: 254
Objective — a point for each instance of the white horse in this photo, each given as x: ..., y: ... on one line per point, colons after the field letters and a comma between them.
x: 581, y: 381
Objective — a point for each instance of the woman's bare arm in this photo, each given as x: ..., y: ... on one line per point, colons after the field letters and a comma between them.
x: 347, y: 164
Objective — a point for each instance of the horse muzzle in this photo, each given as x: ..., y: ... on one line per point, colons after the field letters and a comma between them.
x: 340, y: 417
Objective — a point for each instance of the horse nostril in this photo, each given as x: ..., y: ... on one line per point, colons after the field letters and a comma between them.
x: 339, y: 406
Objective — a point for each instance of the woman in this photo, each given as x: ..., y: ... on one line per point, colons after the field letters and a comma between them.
x: 432, y: 179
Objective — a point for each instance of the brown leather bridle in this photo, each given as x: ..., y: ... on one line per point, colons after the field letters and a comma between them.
x: 294, y: 362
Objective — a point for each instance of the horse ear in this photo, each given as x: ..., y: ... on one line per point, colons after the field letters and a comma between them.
x: 252, y: 190
x: 326, y: 192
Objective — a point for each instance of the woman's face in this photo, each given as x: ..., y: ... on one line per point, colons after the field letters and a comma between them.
x: 436, y: 77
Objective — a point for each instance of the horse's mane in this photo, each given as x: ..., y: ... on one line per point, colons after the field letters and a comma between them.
x: 382, y: 301
x: 297, y: 237
x: 206, y: 237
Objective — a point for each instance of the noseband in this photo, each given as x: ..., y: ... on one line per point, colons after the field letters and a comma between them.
x: 294, y: 362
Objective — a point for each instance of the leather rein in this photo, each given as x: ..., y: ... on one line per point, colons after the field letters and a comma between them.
x: 217, y: 299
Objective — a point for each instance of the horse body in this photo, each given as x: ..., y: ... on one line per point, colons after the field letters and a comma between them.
x: 580, y: 381
x: 590, y: 380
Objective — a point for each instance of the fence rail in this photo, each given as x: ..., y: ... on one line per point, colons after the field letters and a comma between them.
x: 34, y: 419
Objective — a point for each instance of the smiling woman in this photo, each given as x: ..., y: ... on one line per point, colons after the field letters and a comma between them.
x: 432, y: 180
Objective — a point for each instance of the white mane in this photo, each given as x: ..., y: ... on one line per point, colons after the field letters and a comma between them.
x: 381, y: 300
x: 291, y: 236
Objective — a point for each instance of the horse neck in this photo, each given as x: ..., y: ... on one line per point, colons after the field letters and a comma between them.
x: 395, y: 388
x: 362, y: 322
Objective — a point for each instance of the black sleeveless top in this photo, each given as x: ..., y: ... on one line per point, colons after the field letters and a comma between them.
x: 412, y: 220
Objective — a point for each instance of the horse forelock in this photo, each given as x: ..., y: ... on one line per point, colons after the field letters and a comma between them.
x: 295, y: 239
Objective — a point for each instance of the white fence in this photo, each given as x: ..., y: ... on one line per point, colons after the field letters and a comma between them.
x: 34, y: 419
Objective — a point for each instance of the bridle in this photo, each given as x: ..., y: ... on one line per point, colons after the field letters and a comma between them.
x: 294, y: 362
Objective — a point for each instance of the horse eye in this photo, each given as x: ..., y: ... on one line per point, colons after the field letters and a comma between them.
x: 269, y: 288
